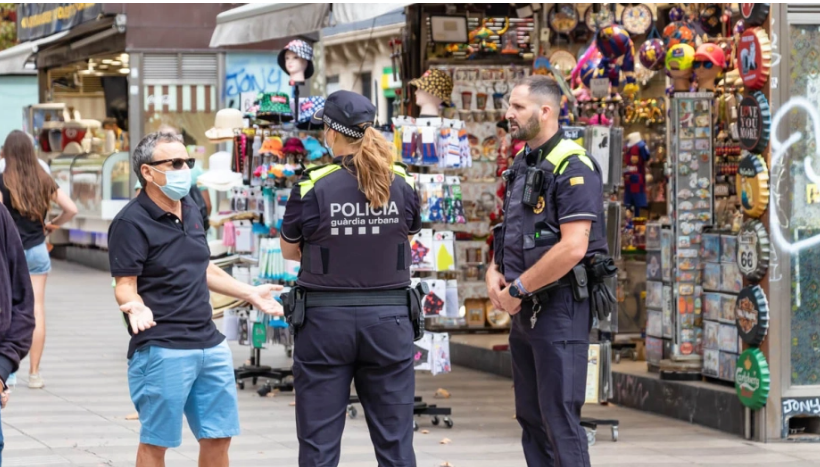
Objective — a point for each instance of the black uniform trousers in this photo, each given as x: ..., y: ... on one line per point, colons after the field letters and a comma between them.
x: 549, y: 374
x: 372, y: 346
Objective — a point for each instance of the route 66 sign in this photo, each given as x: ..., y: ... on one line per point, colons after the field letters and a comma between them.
x: 754, y: 250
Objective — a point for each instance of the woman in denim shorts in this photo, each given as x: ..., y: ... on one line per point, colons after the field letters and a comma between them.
x: 27, y: 191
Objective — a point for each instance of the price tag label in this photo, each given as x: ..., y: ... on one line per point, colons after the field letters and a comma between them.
x: 599, y: 87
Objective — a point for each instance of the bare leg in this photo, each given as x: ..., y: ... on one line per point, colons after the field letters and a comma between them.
x: 151, y: 456
x: 38, y: 283
x: 214, y: 452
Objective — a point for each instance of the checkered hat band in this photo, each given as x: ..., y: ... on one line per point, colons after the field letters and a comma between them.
x: 342, y: 129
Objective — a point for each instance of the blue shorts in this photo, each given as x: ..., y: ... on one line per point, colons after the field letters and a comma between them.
x: 167, y: 383
x: 38, y: 260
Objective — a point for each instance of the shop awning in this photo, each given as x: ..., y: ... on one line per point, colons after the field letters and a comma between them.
x: 261, y: 22
x: 13, y: 60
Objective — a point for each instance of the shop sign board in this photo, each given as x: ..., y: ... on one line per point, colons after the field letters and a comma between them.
x: 754, y: 122
x: 755, y: 58
x: 798, y: 407
x: 36, y: 20
x: 754, y: 250
x: 752, y: 379
x: 752, y: 315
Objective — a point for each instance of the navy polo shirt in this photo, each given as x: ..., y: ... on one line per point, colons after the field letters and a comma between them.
x: 169, y: 257
x: 302, y: 214
x: 579, y: 193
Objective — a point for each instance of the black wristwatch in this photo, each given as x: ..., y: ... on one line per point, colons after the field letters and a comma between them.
x: 514, y: 292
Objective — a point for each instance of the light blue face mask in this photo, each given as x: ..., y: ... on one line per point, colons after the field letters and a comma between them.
x: 177, y: 183
x: 329, y: 149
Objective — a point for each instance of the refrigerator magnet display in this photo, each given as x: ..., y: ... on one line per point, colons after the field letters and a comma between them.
x: 752, y: 379
x: 754, y: 250
x: 752, y: 315
x: 755, y: 58
x: 754, y: 122
x: 753, y: 185
x: 754, y: 14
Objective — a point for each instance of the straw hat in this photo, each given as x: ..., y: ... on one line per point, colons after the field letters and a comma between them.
x: 224, y: 124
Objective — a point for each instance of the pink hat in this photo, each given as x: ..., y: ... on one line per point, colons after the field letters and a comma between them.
x: 711, y: 53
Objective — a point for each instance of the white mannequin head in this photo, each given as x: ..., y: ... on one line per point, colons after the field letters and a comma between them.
x: 295, y: 66
x: 428, y: 103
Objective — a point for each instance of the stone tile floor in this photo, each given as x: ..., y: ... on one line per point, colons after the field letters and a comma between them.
x: 79, y: 418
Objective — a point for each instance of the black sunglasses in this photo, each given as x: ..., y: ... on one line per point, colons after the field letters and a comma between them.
x: 177, y: 163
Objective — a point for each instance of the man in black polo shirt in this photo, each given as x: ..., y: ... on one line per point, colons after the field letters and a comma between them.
x: 178, y: 361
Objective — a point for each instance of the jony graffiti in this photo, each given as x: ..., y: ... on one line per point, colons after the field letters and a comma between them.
x: 630, y: 392
x: 252, y: 73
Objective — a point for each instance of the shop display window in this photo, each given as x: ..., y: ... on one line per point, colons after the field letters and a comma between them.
x: 799, y: 212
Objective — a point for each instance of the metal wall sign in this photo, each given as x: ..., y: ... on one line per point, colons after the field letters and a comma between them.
x: 752, y: 379
x: 753, y: 185
x: 36, y: 20
x: 752, y: 315
x: 754, y: 250
x: 755, y: 58
x: 692, y: 164
x: 754, y: 14
x: 754, y: 122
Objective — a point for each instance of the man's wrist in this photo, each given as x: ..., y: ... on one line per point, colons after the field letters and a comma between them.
x: 518, y: 284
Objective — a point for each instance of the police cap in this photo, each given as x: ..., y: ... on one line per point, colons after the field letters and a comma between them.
x: 346, y: 112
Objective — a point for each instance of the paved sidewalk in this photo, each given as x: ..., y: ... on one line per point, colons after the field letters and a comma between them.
x: 79, y: 418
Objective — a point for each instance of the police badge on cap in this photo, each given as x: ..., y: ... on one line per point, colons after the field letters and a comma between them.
x: 346, y: 112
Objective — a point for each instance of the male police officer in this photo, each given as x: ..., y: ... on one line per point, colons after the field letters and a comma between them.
x: 553, y: 225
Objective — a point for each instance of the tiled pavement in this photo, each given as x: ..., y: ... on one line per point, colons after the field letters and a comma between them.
x: 79, y: 418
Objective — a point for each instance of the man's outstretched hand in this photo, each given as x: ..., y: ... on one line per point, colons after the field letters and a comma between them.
x: 262, y: 299
x: 140, y: 316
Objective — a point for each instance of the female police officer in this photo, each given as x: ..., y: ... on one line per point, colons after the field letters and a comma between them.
x: 349, y: 223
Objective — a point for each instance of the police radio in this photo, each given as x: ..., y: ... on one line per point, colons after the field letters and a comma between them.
x: 532, y: 186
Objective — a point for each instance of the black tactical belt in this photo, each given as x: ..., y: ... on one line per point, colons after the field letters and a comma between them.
x: 543, y: 293
x: 356, y: 299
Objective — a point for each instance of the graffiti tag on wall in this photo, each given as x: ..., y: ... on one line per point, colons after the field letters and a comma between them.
x: 252, y: 73
x: 799, y: 406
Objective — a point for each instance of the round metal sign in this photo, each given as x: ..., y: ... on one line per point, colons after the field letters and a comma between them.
x: 753, y: 251
x: 754, y: 58
x: 752, y: 379
x: 754, y: 122
x: 754, y: 14
x: 753, y: 185
x: 752, y: 315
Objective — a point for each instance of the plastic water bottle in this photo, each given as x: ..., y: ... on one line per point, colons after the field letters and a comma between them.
x: 12, y: 381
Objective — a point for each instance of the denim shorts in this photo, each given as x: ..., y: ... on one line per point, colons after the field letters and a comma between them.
x: 38, y: 260
x: 167, y: 383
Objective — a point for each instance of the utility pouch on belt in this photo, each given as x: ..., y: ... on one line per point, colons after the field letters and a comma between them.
x: 416, y: 294
x: 293, y: 304
x: 602, y: 297
x: 578, y: 277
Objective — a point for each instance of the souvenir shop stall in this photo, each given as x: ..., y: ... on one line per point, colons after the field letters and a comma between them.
x: 672, y: 100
